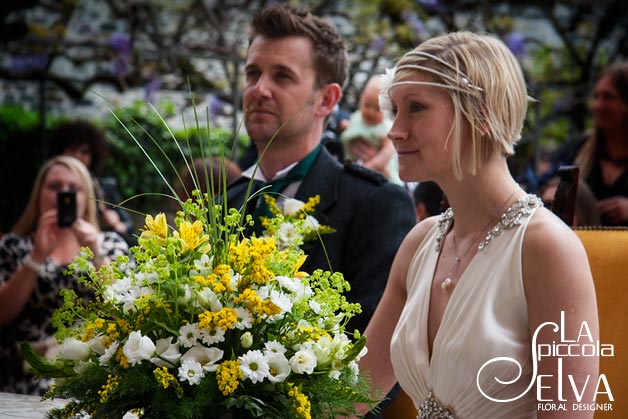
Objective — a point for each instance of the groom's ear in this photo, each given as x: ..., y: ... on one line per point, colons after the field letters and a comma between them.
x: 330, y: 96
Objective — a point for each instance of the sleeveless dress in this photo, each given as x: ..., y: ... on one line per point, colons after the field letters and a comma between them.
x: 485, y: 318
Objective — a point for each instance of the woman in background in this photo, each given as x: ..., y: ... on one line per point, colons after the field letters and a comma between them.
x: 33, y: 259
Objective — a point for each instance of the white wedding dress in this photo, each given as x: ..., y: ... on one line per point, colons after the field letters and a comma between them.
x: 485, y: 318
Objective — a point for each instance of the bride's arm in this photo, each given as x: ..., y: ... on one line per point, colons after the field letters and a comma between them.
x: 557, y: 278
x: 376, y: 363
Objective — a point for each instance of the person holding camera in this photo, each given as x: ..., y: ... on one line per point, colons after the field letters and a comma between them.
x: 59, y: 219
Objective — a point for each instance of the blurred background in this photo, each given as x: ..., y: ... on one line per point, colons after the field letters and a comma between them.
x: 145, y: 71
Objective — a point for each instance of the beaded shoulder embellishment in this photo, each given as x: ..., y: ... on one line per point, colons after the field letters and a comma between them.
x: 431, y: 409
x: 511, y: 218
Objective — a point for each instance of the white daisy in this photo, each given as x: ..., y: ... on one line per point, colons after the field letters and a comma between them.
x: 213, y: 336
x: 274, y: 347
x: 191, y: 371
x: 188, y: 335
x: 254, y: 366
x: 109, y: 353
x: 245, y: 318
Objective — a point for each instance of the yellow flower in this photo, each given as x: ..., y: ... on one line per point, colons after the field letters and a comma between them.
x: 109, y: 388
x: 155, y: 227
x: 300, y: 402
x: 228, y: 376
x: 191, y: 234
x: 166, y: 379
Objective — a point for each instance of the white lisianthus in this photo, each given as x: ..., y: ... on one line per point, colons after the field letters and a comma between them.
x: 311, y: 223
x: 339, y: 346
x: 206, y: 357
x: 254, y: 366
x: 138, y: 348
x: 315, y: 306
x: 279, y: 367
x: 292, y: 206
x: 334, y: 374
x: 96, y: 344
x: 293, y: 285
x: 288, y: 233
x: 246, y: 340
x: 115, y: 292
x: 109, y: 353
x: 208, y: 299
x: 203, y: 266
x: 168, y: 353
x: 187, y: 294
x: 354, y: 368
x: 281, y: 300
x: 191, y: 371
x: 144, y: 278
x: 82, y: 367
x: 362, y: 353
x: 303, y: 362
x: 189, y: 334
x: 74, y: 349
x: 322, y: 350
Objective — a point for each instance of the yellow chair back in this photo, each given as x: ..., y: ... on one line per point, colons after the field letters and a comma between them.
x: 607, y: 250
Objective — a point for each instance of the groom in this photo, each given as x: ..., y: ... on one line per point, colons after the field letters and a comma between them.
x: 295, y: 68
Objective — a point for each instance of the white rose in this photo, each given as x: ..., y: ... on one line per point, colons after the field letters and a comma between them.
x: 138, y: 348
x: 303, y: 362
x: 74, y: 349
x: 292, y: 206
x: 168, y: 353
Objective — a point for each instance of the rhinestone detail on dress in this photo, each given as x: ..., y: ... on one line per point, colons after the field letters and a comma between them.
x: 431, y: 409
x: 511, y: 218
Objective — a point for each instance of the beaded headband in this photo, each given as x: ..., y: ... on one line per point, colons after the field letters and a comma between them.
x: 460, y: 84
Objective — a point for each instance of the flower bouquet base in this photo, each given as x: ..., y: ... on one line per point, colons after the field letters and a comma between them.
x: 204, y: 323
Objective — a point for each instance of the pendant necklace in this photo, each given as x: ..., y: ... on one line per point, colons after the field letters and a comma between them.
x: 448, y: 282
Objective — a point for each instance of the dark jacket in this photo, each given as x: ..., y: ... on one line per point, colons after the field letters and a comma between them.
x: 371, y: 217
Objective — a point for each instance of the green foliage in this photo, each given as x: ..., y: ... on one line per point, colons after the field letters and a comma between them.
x: 136, y: 176
x: 22, y: 150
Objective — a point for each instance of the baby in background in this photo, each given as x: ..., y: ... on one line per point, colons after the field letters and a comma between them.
x: 364, y: 140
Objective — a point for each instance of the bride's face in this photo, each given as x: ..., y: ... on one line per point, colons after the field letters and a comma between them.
x: 424, y: 117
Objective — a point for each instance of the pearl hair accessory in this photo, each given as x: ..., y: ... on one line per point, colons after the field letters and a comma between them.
x: 460, y: 83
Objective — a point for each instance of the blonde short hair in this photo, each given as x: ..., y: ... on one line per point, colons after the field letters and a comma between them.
x: 30, y: 217
x: 486, y: 86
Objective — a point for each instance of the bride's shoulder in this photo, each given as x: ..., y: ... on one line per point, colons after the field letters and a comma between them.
x: 418, y: 233
x: 547, y: 235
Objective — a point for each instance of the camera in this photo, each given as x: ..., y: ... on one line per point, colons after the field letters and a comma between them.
x: 66, y: 208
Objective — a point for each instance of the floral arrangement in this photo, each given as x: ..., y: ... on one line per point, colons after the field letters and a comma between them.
x: 202, y: 322
x: 292, y: 224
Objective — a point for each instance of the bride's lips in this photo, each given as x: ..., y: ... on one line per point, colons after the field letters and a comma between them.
x: 402, y: 153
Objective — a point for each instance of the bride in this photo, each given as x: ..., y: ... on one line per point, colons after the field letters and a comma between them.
x: 474, y: 293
